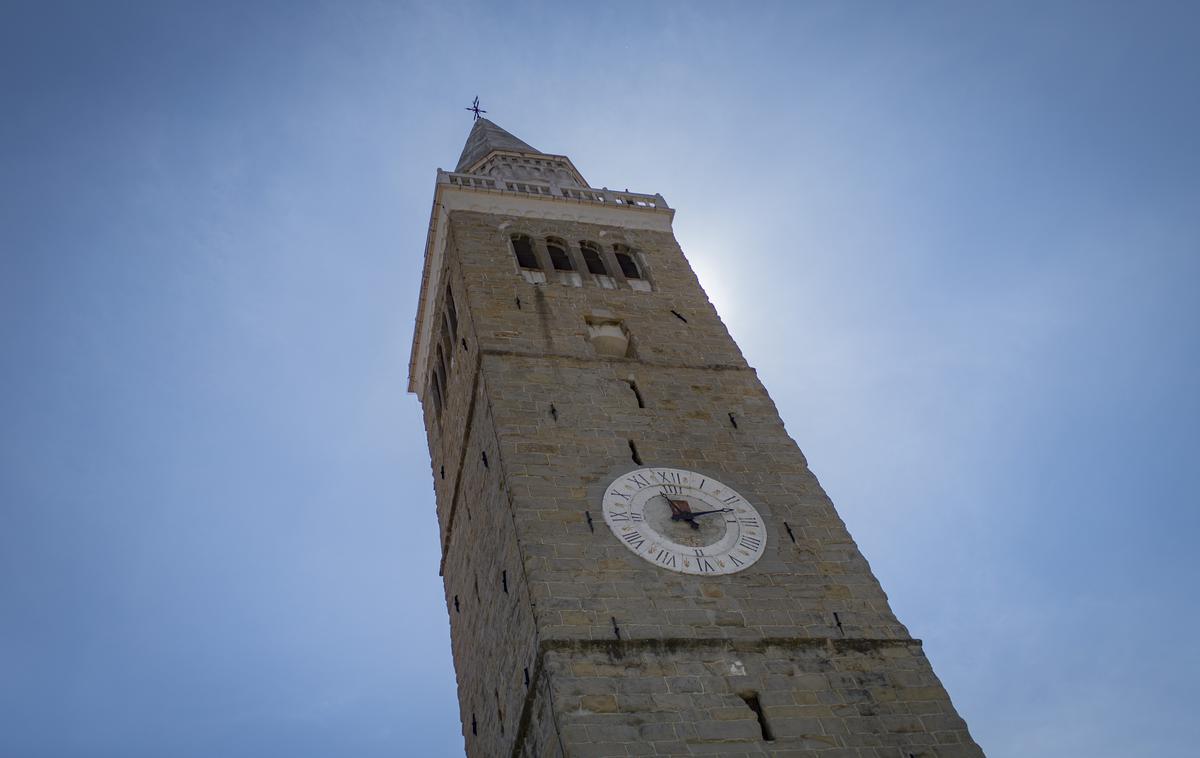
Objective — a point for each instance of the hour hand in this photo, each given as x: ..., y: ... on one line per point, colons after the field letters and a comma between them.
x: 681, y: 511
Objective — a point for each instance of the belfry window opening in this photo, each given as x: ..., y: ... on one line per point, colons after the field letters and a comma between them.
x: 627, y: 259
x: 441, y: 370
x: 523, y: 248
x: 451, y: 313
x: 447, y: 340
x: 558, y: 255
x: 563, y: 267
x: 437, y: 382
x: 437, y: 396
x: 593, y: 258
x: 527, y: 259
x: 560, y: 259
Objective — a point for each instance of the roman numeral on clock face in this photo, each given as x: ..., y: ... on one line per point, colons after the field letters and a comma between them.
x: 639, y: 479
x: 666, y: 558
x: 669, y: 477
x: 634, y: 539
x: 750, y: 543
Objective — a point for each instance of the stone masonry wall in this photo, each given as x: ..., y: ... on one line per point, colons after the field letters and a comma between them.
x: 493, y: 635
x: 582, y: 577
x: 625, y: 658
x: 844, y: 699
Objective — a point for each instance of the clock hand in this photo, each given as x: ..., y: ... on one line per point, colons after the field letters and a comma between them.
x: 680, y: 511
x: 694, y: 514
x: 679, y: 508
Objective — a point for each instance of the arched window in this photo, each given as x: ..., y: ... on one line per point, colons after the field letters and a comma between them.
x: 627, y: 259
x: 558, y: 255
x: 593, y: 259
x: 523, y: 247
x: 627, y: 262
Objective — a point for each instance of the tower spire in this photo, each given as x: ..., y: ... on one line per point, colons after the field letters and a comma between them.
x: 485, y: 137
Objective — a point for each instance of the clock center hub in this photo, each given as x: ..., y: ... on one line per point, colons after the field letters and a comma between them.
x: 675, y: 524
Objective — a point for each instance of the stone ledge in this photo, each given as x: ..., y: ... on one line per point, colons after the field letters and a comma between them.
x: 676, y: 644
x: 586, y: 361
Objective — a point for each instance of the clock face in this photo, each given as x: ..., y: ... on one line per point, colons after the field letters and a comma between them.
x: 684, y: 521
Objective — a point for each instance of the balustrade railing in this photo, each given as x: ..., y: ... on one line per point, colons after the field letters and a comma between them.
x: 532, y: 188
x: 545, y: 189
x: 583, y: 193
x: 471, y: 180
x: 639, y: 200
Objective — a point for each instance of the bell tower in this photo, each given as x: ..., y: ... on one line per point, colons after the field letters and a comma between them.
x: 637, y: 559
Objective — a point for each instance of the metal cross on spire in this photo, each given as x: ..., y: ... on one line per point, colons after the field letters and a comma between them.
x: 476, y: 109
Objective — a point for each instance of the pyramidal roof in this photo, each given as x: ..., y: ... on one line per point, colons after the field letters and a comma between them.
x: 486, y: 137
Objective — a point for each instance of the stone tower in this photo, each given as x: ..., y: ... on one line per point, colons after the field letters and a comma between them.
x: 637, y: 559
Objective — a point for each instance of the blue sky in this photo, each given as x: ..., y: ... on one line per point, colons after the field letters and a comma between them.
x: 959, y: 242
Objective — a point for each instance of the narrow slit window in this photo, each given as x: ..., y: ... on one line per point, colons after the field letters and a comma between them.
x: 751, y: 700
x: 633, y: 453
x: 636, y: 392
x: 558, y: 255
x: 523, y: 248
x: 593, y: 259
x: 499, y: 712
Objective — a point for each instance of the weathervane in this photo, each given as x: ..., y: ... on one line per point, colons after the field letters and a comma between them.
x: 476, y: 109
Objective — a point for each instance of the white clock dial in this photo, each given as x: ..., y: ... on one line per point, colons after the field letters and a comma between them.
x: 684, y: 521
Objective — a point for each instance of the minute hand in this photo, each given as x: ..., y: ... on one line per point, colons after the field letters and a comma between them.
x: 705, y: 513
